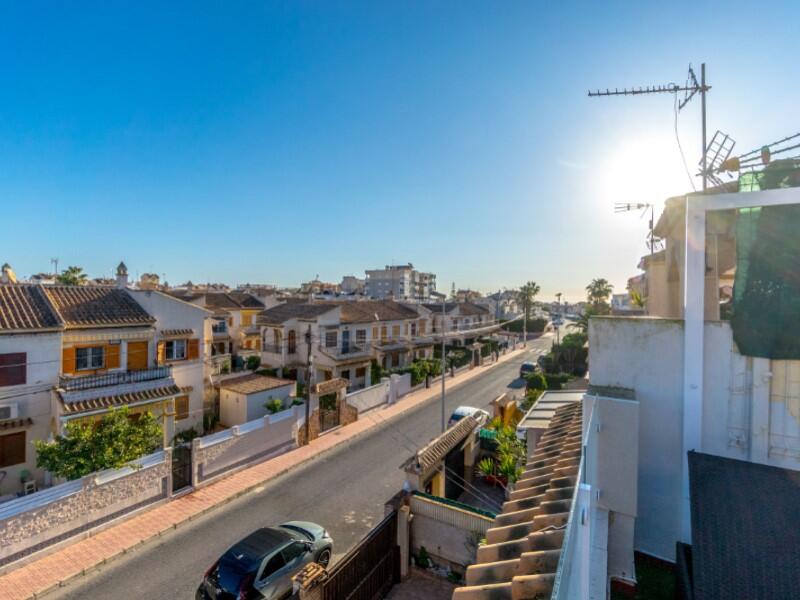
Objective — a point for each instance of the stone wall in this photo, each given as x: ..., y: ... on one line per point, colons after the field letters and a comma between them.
x: 33, y: 522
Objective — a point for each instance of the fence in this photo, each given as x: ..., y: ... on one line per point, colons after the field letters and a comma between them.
x: 31, y: 523
x: 370, y: 569
x: 220, y: 453
x: 369, y: 397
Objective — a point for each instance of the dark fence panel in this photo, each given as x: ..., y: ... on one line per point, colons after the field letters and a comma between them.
x: 370, y: 569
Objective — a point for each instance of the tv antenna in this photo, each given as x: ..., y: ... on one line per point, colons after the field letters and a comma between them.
x: 54, y: 262
x: 623, y: 207
x: 689, y: 89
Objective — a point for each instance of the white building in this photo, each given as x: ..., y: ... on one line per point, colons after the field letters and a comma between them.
x: 352, y: 285
x: 685, y: 448
x: 399, y: 282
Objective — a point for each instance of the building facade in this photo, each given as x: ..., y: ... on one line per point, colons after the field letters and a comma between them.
x: 399, y: 282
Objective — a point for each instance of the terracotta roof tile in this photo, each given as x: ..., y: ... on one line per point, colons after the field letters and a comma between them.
x: 118, y: 400
x: 96, y: 306
x: 25, y: 307
x: 533, y: 519
x: 436, y: 450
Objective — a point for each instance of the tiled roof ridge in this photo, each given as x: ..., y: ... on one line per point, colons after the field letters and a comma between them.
x: 523, y: 546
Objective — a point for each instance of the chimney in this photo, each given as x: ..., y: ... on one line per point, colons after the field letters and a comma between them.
x: 122, y: 275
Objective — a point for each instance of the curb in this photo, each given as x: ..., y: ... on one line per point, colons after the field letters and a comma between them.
x: 307, y: 461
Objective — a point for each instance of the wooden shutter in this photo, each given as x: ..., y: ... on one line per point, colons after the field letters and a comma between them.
x: 68, y: 361
x: 112, y: 356
x: 13, y: 368
x: 161, y: 353
x: 181, y: 407
x: 12, y: 449
x: 192, y: 349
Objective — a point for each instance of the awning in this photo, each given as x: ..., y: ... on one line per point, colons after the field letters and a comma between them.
x: 100, y: 403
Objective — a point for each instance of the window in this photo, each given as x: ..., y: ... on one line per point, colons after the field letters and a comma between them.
x: 89, y: 358
x: 293, y: 550
x: 413, y: 329
x: 181, y: 408
x: 361, y: 336
x: 345, y: 374
x: 395, y: 331
x: 274, y: 564
x: 12, y: 368
x: 330, y: 339
x: 175, y: 349
x: 374, y: 333
x: 12, y: 449
x: 292, y: 342
x: 219, y: 326
x: 361, y: 372
x: 383, y: 332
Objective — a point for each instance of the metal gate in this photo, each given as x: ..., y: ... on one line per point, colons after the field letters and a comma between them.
x: 328, y: 419
x: 181, y: 467
x: 370, y: 569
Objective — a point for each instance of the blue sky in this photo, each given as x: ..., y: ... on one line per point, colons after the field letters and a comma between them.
x: 270, y: 142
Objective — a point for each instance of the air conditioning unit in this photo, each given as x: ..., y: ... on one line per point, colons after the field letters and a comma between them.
x: 9, y: 411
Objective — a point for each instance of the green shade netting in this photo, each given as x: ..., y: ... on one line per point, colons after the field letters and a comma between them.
x: 766, y: 292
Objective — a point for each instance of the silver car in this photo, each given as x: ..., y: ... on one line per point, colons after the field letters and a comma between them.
x: 262, y: 564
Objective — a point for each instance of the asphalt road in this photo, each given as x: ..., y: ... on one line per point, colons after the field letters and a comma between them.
x: 345, y: 491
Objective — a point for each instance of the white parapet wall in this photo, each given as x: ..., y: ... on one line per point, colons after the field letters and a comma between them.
x: 221, y: 453
x: 31, y: 523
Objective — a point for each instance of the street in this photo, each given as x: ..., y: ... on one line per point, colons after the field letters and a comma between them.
x: 345, y: 491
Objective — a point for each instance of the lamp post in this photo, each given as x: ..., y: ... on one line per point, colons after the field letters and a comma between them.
x: 444, y: 360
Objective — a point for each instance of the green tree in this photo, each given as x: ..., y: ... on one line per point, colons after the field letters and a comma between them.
x: 598, y: 293
x: 525, y: 297
x: 72, y: 276
x: 636, y: 298
x: 111, y: 443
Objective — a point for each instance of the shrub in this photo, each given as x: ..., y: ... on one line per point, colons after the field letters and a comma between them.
x: 327, y: 402
x: 253, y: 362
x: 225, y: 368
x: 187, y: 435
x: 531, y: 396
x: 297, y: 402
x: 274, y: 405
x: 535, y: 381
x: 267, y: 372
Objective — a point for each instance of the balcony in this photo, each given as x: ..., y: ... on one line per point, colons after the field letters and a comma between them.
x: 339, y: 352
x: 71, y: 384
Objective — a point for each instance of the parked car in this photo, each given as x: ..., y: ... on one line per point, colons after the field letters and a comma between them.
x: 261, y: 565
x: 526, y: 368
x: 463, y: 411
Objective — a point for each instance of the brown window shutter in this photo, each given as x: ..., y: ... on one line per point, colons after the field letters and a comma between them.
x: 12, y: 449
x: 181, y: 407
x: 161, y: 353
x: 192, y: 349
x: 13, y: 368
x: 68, y: 361
x: 112, y: 356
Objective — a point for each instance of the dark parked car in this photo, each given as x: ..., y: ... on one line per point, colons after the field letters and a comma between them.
x: 262, y: 564
x: 526, y: 368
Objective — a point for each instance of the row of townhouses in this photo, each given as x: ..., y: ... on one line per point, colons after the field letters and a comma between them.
x: 74, y: 353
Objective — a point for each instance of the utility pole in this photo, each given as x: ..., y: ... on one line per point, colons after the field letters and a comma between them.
x: 560, y: 320
x: 444, y: 361
x: 309, y: 381
x: 691, y: 88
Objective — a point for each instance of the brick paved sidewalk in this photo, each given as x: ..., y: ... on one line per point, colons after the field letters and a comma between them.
x: 56, y: 568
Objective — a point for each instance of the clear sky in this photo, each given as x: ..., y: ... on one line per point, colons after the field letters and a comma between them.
x: 270, y: 142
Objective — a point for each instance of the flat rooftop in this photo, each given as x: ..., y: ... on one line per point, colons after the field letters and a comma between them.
x: 540, y: 414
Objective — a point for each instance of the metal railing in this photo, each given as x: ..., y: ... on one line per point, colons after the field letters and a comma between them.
x: 344, y: 350
x: 87, y: 382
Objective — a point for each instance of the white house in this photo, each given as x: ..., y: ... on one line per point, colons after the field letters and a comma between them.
x: 244, y: 398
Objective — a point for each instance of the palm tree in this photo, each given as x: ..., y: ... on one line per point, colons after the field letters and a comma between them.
x: 72, y: 276
x: 598, y: 292
x: 525, y: 296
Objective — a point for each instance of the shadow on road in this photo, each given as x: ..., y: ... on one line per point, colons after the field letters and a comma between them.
x: 517, y: 384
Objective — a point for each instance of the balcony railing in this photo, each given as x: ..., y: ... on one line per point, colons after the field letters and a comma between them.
x: 71, y: 384
x: 345, y: 350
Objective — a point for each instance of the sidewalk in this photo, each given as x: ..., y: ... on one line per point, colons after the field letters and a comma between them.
x: 55, y: 569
